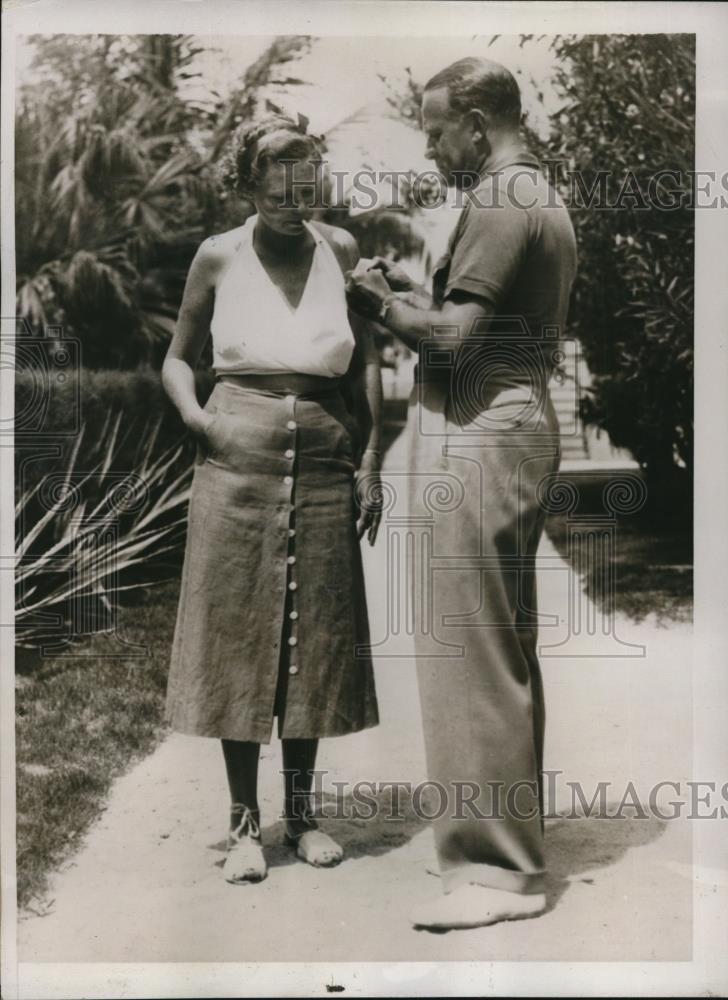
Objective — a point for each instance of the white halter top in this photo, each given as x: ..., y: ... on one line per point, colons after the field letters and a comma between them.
x: 255, y: 329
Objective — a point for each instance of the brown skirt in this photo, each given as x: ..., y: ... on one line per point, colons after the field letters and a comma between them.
x: 272, y: 610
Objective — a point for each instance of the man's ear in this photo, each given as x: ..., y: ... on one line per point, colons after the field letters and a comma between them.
x: 479, y: 124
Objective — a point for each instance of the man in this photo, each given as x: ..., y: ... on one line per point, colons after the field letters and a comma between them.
x: 481, y: 417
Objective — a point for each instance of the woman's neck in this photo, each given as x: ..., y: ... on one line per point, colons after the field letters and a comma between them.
x: 276, y: 244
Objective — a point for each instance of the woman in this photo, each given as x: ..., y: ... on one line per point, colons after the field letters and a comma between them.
x: 272, y: 613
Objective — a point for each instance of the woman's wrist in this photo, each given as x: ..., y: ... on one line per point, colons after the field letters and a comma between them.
x: 193, y: 418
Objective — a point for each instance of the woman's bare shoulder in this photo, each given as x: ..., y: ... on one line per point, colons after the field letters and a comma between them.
x: 342, y: 243
x: 220, y: 246
x: 213, y: 256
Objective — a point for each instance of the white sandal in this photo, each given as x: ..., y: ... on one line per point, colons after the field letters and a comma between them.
x: 245, y: 861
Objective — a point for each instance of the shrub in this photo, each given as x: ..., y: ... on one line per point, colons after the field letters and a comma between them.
x: 630, y: 110
x: 97, y: 399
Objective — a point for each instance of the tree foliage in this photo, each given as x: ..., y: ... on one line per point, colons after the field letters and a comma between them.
x: 115, y: 184
x: 624, y: 143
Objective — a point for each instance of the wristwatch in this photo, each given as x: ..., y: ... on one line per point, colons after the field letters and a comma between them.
x: 384, y: 308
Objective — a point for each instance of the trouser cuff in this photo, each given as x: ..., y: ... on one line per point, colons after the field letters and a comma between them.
x: 494, y: 877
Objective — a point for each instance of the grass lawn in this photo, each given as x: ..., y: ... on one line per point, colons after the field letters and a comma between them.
x: 80, y: 723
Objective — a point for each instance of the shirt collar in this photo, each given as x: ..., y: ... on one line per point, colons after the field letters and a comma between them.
x: 516, y: 154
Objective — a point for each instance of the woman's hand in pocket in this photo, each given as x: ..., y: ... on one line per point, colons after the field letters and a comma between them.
x: 369, y: 496
x: 198, y: 424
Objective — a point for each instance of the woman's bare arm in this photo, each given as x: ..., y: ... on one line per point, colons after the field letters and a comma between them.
x: 364, y: 380
x: 364, y: 377
x: 366, y: 383
x: 191, y: 333
x: 368, y: 401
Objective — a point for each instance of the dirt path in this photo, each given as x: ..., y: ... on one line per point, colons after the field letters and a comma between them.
x: 147, y: 885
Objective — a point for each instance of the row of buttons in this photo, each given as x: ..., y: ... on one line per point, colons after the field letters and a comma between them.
x: 290, y: 454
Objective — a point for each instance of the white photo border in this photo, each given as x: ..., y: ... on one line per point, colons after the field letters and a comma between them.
x: 708, y: 971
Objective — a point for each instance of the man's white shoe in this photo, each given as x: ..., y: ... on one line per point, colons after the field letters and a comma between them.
x: 477, y: 906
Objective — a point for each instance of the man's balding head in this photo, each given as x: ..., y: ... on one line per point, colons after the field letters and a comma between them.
x: 469, y: 111
x: 479, y: 84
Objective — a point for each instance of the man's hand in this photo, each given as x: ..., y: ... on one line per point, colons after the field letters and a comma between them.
x: 397, y: 278
x: 365, y: 291
x: 369, y: 496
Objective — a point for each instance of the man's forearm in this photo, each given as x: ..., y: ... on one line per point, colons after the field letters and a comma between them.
x: 417, y: 296
x: 410, y: 323
x: 461, y: 313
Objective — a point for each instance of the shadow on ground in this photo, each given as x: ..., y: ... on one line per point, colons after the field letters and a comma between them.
x: 391, y: 826
x: 576, y: 845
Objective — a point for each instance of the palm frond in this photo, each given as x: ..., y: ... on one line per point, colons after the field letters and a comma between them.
x: 98, y: 548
